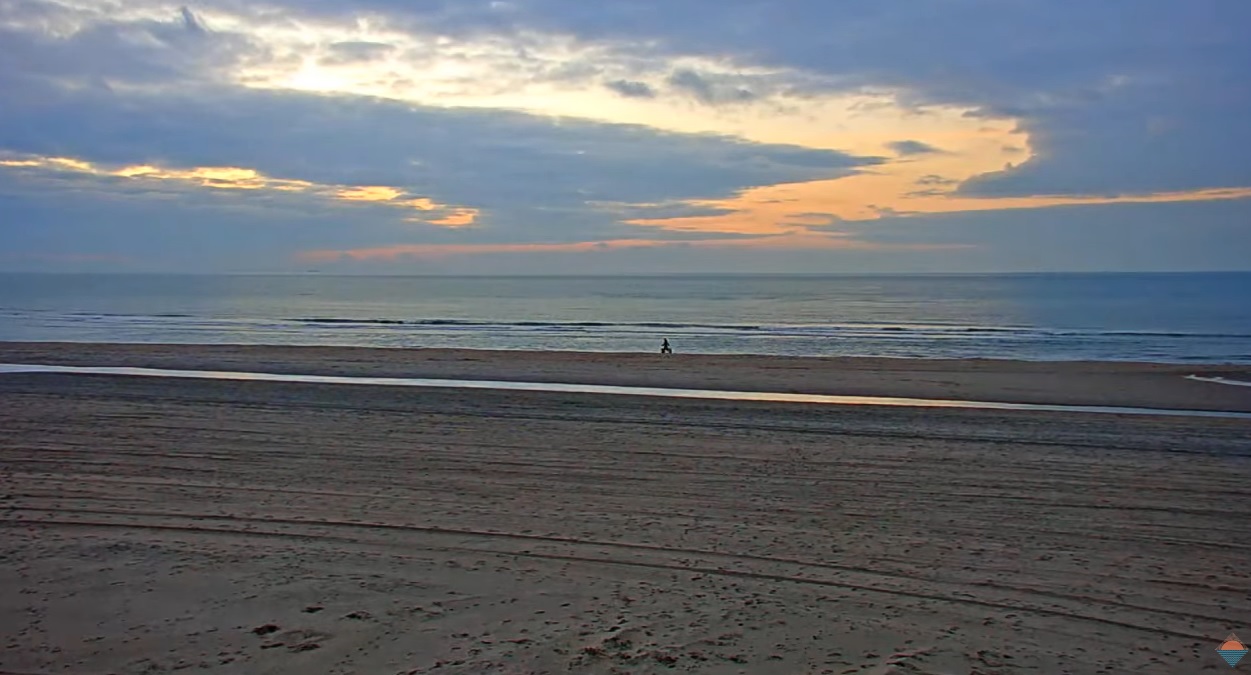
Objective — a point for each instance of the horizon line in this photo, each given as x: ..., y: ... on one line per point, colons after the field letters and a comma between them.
x: 553, y: 275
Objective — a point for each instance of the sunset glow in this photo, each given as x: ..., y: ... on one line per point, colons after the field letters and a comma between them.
x: 499, y: 124
x: 236, y: 178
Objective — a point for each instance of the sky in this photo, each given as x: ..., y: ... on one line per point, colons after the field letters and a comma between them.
x: 624, y: 136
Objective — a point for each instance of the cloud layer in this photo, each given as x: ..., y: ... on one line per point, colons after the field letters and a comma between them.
x: 271, y: 136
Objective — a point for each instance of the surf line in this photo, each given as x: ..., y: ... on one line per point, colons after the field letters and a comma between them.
x: 555, y: 387
x: 1219, y: 380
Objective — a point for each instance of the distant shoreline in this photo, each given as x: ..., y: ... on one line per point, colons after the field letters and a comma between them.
x: 1191, y: 366
x: 652, y: 275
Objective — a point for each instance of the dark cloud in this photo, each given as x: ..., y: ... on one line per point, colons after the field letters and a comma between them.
x: 343, y: 53
x: 1096, y: 100
x: 1119, y: 146
x: 1157, y: 104
x: 534, y: 177
x: 690, y: 82
x: 1114, y: 237
x: 910, y: 147
x: 934, y: 179
x: 108, y: 52
x: 707, y: 91
x: 661, y: 211
x: 1101, y: 105
x: 195, y: 231
x: 191, y: 23
x: 631, y: 89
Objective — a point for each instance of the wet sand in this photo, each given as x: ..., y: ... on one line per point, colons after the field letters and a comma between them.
x: 152, y: 525
x: 1144, y: 385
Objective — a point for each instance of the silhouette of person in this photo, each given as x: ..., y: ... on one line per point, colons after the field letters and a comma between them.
x: 665, y: 348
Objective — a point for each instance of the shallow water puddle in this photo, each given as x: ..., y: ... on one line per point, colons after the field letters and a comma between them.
x: 708, y: 394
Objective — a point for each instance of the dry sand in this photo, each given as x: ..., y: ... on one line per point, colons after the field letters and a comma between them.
x: 151, y: 526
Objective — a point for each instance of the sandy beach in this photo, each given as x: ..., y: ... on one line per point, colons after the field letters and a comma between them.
x: 1145, y: 385
x: 153, y: 525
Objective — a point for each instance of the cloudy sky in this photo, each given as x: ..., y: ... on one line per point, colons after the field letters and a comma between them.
x: 568, y: 136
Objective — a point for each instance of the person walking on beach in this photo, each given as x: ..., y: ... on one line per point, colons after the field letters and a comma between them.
x: 665, y: 348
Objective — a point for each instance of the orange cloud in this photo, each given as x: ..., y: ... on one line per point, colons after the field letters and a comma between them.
x: 917, y: 184
x: 420, y: 203
x: 242, y: 178
x: 369, y: 193
x: 457, y: 218
x: 791, y: 207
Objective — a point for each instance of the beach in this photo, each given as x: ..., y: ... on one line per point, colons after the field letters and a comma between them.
x: 1146, y: 385
x: 173, y: 525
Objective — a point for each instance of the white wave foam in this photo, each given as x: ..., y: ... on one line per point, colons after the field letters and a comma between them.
x: 1219, y: 380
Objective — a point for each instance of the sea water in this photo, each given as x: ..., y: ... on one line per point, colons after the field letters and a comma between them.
x: 1183, y: 318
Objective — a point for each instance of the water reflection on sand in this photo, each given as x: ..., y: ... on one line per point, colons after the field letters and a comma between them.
x: 708, y: 394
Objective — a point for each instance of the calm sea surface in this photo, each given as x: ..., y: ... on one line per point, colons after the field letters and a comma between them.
x: 1149, y: 317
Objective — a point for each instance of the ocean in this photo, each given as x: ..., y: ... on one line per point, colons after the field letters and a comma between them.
x: 1170, y: 318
